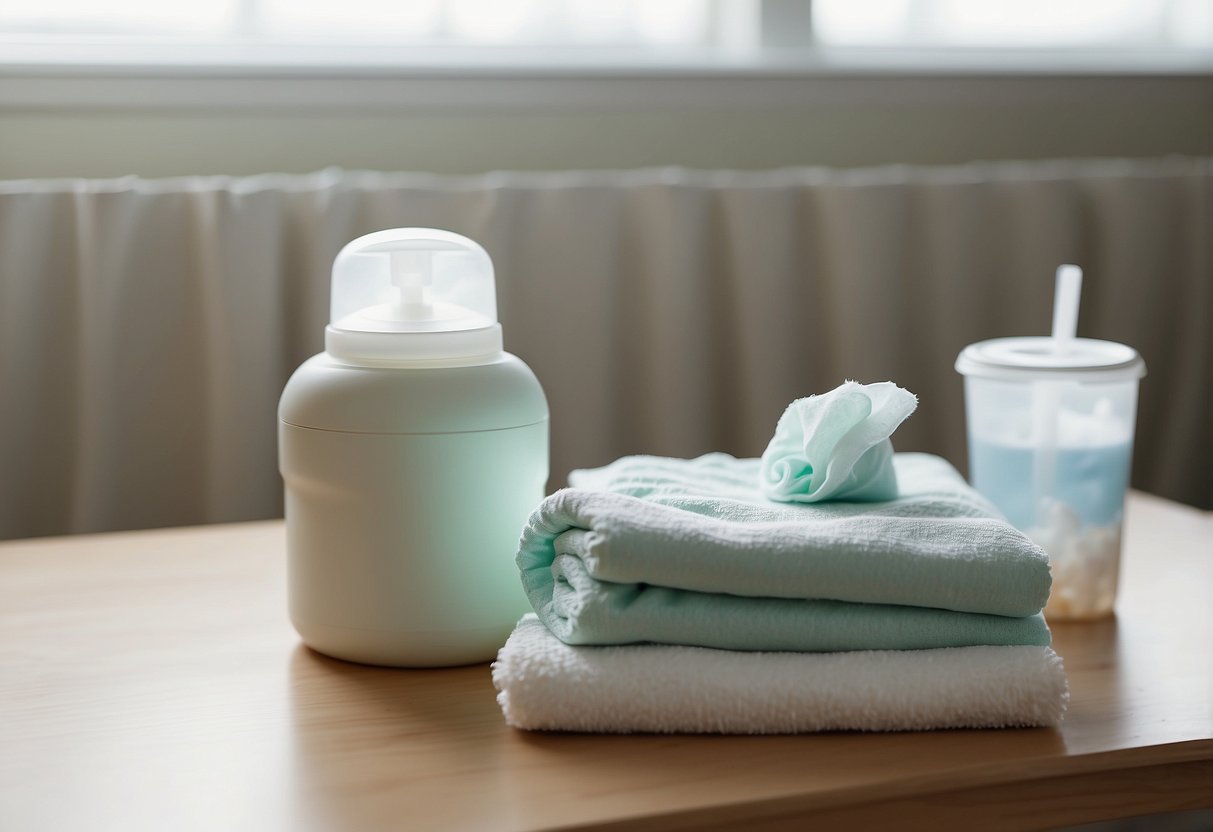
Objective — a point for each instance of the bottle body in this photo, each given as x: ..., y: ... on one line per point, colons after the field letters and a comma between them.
x: 401, y: 542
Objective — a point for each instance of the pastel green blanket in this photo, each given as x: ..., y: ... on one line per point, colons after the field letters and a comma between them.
x: 691, y: 552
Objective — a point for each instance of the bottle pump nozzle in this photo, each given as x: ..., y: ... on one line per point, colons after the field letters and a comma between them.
x: 412, y: 275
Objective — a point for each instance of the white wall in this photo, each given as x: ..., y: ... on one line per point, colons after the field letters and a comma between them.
x: 808, y: 121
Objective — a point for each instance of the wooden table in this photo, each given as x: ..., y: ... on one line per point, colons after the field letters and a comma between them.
x: 150, y: 680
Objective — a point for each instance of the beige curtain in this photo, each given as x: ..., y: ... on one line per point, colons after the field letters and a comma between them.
x: 147, y: 327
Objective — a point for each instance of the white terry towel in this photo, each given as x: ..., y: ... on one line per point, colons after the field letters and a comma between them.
x: 545, y: 684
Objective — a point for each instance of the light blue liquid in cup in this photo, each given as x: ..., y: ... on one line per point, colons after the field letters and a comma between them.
x: 1090, y: 480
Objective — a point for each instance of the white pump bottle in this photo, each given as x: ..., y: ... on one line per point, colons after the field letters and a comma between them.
x: 412, y: 449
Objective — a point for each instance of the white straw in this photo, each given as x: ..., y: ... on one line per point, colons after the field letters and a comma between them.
x: 1065, y: 306
x: 1046, y: 395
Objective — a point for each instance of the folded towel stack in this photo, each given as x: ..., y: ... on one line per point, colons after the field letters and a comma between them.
x: 760, y: 596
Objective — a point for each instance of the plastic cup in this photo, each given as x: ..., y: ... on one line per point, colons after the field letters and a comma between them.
x: 1050, y: 444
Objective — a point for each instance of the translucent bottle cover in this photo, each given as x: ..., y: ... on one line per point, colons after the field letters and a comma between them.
x: 413, y: 294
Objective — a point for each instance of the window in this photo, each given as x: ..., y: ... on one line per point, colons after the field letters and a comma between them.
x: 1014, y: 23
x: 291, y: 54
x: 417, y: 22
x: 703, y: 26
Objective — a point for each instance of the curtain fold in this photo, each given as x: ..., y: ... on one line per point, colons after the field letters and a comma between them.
x: 147, y: 326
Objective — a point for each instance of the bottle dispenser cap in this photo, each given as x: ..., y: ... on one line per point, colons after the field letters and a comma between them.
x: 413, y: 294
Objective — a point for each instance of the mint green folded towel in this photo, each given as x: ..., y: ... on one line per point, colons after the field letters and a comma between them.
x: 692, y: 552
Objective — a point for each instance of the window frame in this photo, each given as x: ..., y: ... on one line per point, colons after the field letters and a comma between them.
x: 776, y: 65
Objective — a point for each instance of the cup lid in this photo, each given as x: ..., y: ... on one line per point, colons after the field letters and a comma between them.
x: 1037, y: 357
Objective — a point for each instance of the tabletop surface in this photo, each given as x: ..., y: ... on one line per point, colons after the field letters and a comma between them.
x: 151, y: 680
